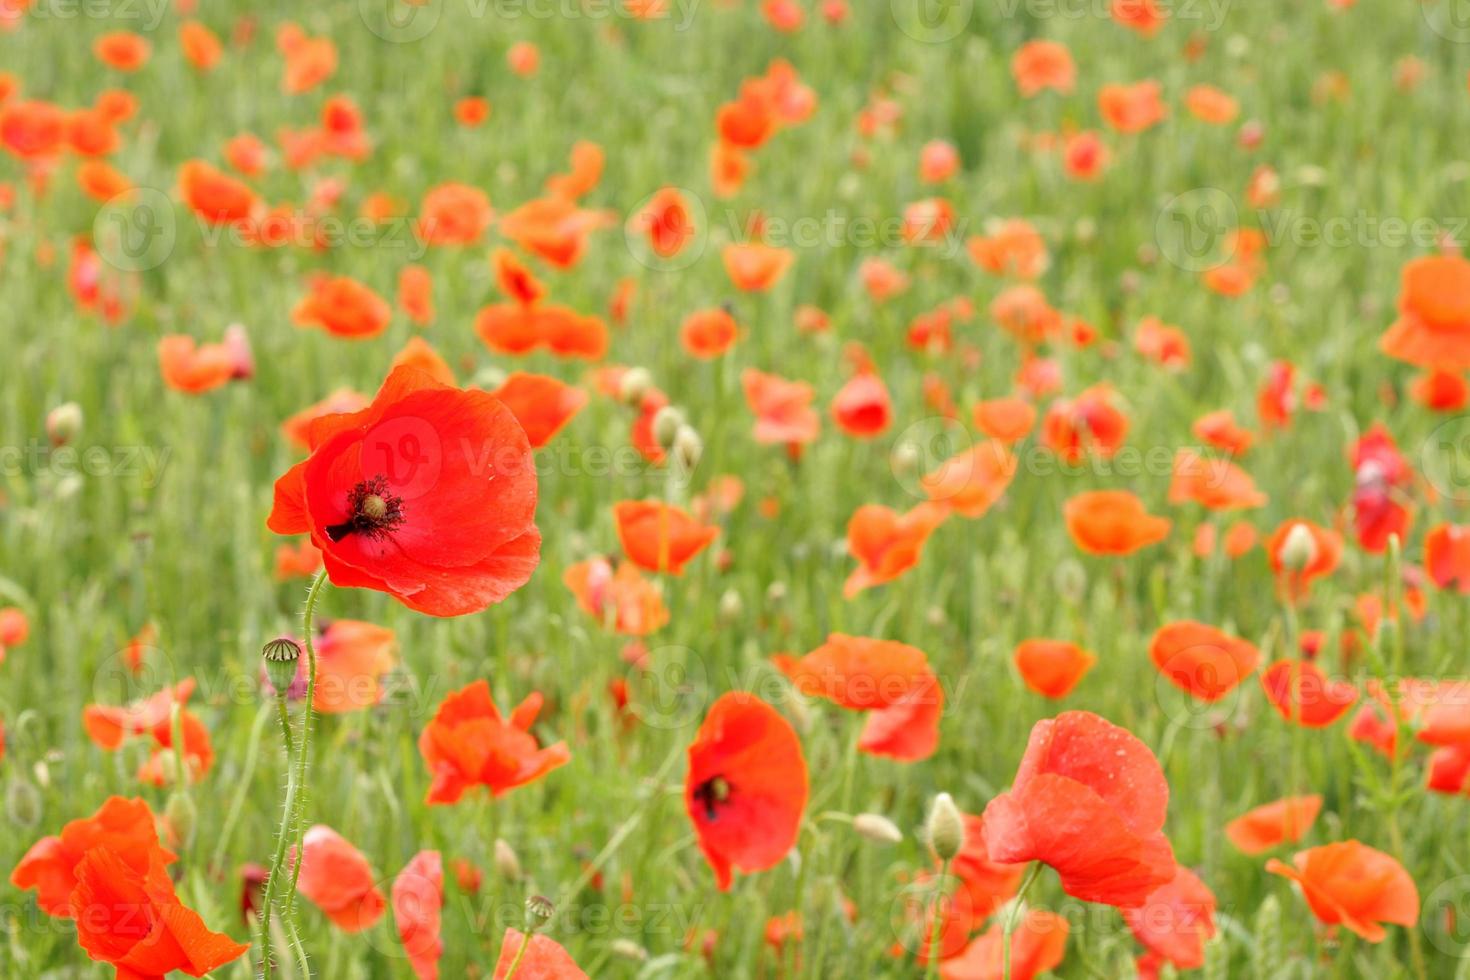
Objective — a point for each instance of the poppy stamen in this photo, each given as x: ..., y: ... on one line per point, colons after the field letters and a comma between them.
x: 374, y: 511
x: 711, y: 793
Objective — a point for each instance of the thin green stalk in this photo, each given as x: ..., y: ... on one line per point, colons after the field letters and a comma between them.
x: 1015, y: 910
x: 933, y: 952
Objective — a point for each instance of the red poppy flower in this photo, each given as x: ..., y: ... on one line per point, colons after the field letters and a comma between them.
x: 454, y: 214
x: 297, y: 428
x: 541, y: 403
x: 109, y: 726
x: 125, y: 828
x: 1112, y: 522
x: 418, y: 896
x: 1177, y: 920
x: 747, y: 786
x: 553, y: 228
x: 755, y: 267
x: 1447, y: 556
x: 1008, y: 420
x: 1354, y: 886
x: 1214, y: 484
x: 1269, y: 825
x: 782, y: 408
x: 660, y: 537
x: 707, y: 334
x: 1038, y: 944
x: 338, y: 880
x: 544, y: 959
x: 343, y: 307
x: 1040, y: 65
x: 1052, y: 668
x: 469, y: 744
x: 887, y: 544
x: 1090, y: 424
x: 1433, y: 328
x: 862, y: 407
x: 131, y: 917
x: 215, y: 196
x: 1381, y: 480
x: 201, y: 46
x: 1089, y: 799
x: 1220, y: 430
x: 971, y: 481
x: 1305, y: 696
x: 1205, y: 662
x: 624, y: 600
x: 988, y: 883
x: 666, y: 221
x: 1323, y: 556
x: 416, y: 294
x: 428, y: 494
x: 1448, y: 771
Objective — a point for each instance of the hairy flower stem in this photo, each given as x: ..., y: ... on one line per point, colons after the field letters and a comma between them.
x: 936, y: 929
x: 1015, y: 910
x: 293, y: 808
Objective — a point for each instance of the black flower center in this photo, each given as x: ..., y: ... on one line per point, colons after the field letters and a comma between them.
x: 711, y: 793
x: 372, y: 510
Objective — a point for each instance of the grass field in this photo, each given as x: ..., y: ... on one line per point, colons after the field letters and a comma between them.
x: 133, y: 535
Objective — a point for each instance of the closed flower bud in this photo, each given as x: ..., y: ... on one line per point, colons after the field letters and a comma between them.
x: 182, y: 815
x: 687, y: 448
x: 488, y: 378
x: 776, y: 594
x: 877, y: 828
x: 23, y: 803
x: 634, y: 385
x: 946, y: 828
x: 281, y: 656
x: 626, y: 949
x: 63, y: 423
x: 731, y: 606
x: 1299, y: 549
x: 506, y: 863
x: 904, y: 458
x: 666, y: 424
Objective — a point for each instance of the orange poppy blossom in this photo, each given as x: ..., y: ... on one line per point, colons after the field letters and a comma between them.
x: 1270, y: 825
x: 1051, y: 668
x: 301, y: 560
x: 1089, y: 800
x: 1024, y: 313
x: 428, y: 494
x: 336, y: 878
x: 1303, y: 695
x: 938, y: 161
x: 1176, y: 921
x: 747, y: 786
x: 122, y: 50
x: 125, y: 827
x: 1204, y: 662
x: 886, y: 543
x: 1007, y: 420
x: 707, y: 334
x: 891, y: 681
x: 1211, y: 105
x: 544, y: 959
x: 1220, y: 430
x: 469, y: 744
x: 1085, y: 156
x: 1132, y: 108
x: 215, y: 196
x: 527, y: 323
x: 1112, y: 522
x: 343, y: 307
x: 543, y: 405
x: 1322, y: 556
x: 194, y: 368
x: 1433, y: 326
x: 15, y: 629
x: 1090, y: 424
x: 754, y: 266
x: 554, y: 229
x: 882, y: 279
x: 782, y: 409
x: 103, y: 182
x: 624, y: 600
x: 454, y: 214
x: 862, y: 408
x: 310, y: 61
x: 342, y: 401
x: 201, y: 46
x: 1010, y: 248
x: 1355, y: 886
x: 666, y: 222
x: 1447, y: 556
x: 971, y: 481
x: 659, y: 537
x: 417, y: 898
x: 352, y: 658
x: 1143, y: 16
x: 1214, y: 484
x: 1040, y: 65
x: 1038, y: 944
x: 416, y: 294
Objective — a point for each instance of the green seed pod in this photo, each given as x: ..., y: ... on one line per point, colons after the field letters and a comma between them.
x: 281, y: 656
x: 23, y: 803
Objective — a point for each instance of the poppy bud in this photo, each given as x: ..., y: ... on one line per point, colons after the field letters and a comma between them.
x: 776, y: 594
x: 877, y: 828
x: 1298, y: 549
x: 23, y: 803
x: 904, y: 458
x: 946, y: 828
x: 634, y: 385
x: 281, y: 656
x: 687, y: 448
x: 506, y: 862
x: 666, y: 424
x: 626, y: 949
x: 182, y: 815
x: 731, y: 606
x: 539, y: 910
x: 63, y: 423
x: 488, y: 378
